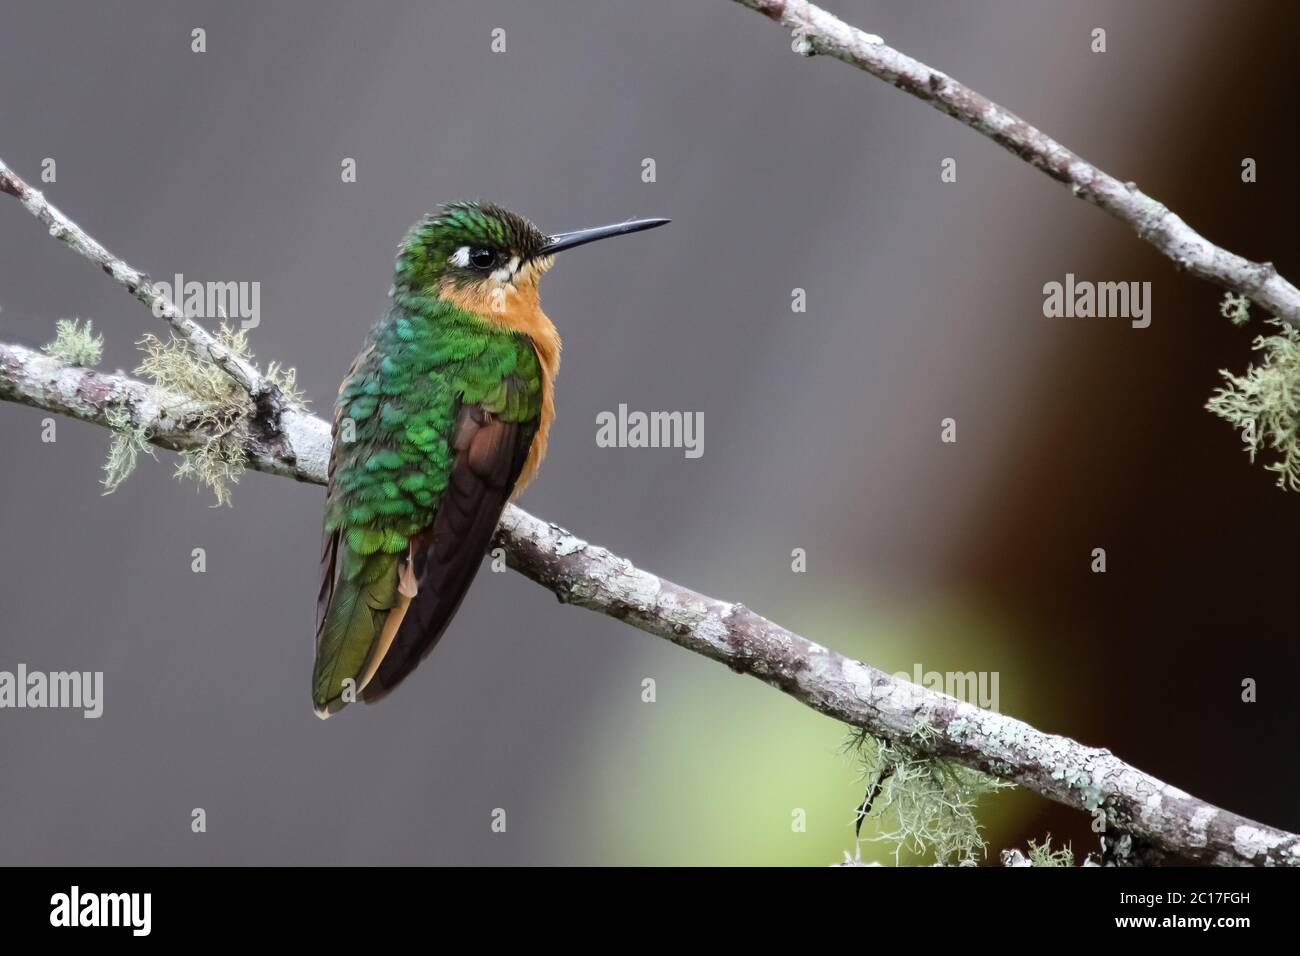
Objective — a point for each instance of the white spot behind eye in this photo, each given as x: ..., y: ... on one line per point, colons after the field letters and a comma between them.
x: 507, y: 271
x: 460, y: 257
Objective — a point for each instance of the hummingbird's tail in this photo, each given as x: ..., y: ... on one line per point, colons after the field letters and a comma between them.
x: 358, y: 595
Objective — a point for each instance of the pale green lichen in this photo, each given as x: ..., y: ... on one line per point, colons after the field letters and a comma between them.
x: 215, y: 465
x: 1264, y: 404
x: 75, y: 344
x: 1235, y: 308
x: 1042, y: 854
x: 923, y: 804
x: 959, y: 728
x: 129, y: 439
x: 923, y: 733
x: 216, y: 407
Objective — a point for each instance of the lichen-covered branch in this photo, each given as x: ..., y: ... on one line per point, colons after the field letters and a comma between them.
x: 816, y: 31
x: 298, y: 448
x: 1148, y: 820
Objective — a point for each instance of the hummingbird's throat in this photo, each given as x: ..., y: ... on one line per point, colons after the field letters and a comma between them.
x: 515, y: 305
x: 507, y: 296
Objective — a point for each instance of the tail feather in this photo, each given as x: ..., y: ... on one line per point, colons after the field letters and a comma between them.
x: 364, y: 590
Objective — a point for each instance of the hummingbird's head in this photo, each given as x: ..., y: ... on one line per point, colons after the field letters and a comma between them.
x: 467, y: 244
x: 487, y: 259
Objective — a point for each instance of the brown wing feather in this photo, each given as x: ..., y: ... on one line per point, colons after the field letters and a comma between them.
x: 328, y: 575
x: 489, y: 456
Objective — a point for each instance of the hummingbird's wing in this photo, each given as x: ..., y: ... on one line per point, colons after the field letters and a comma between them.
x: 489, y: 454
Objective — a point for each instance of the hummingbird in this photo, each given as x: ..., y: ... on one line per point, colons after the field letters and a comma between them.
x: 442, y: 418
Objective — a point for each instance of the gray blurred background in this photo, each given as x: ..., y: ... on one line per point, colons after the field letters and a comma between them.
x: 821, y: 429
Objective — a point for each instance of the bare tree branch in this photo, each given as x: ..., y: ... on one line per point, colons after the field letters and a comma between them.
x: 1145, y: 819
x: 816, y: 31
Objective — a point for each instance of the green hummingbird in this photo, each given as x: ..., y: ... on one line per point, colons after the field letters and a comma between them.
x: 441, y: 420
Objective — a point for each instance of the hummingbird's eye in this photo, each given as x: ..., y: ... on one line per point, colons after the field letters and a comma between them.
x: 482, y: 258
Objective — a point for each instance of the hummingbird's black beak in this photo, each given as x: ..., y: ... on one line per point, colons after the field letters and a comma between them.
x: 567, y: 240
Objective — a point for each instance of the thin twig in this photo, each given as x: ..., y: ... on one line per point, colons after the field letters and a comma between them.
x: 138, y: 283
x: 817, y: 31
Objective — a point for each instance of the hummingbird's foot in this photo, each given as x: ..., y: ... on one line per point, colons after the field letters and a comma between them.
x: 407, y: 586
